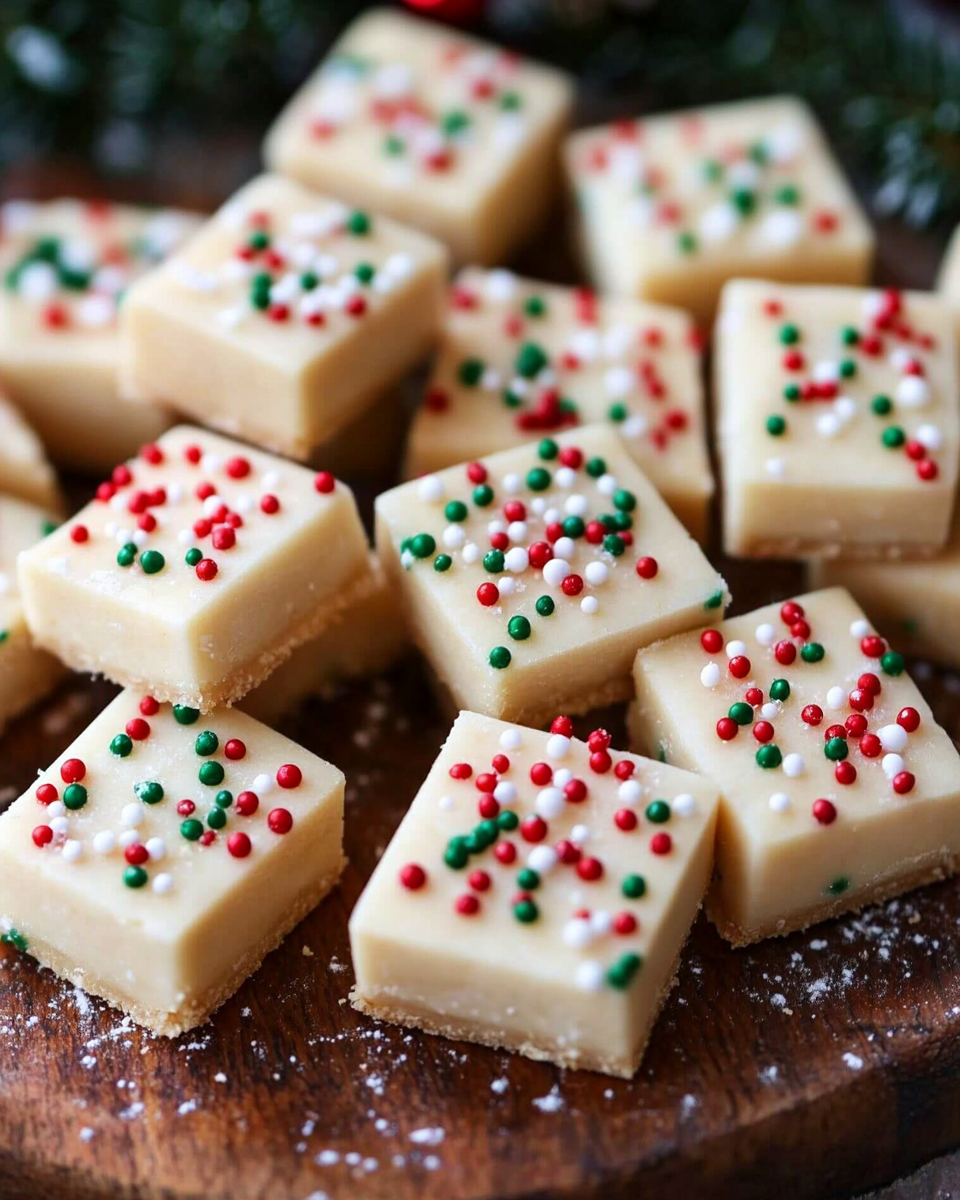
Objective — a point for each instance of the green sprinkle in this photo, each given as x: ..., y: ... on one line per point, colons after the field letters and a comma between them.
x: 456, y: 854
x: 838, y: 886
x: 211, y: 773
x: 526, y: 911
x: 614, y: 544
x: 13, y: 937
x: 548, y: 449
x: 849, y: 335
x: 769, y: 757
x: 743, y: 200
x: 308, y: 281
x: 893, y: 437
x: 500, y: 657
x: 191, y: 829
x: 216, y: 818
x: 791, y: 393
x: 881, y: 405
x: 511, y: 399
x: 75, y: 796
x: 741, y: 712
x: 519, y: 628
x: 470, y: 371
x: 621, y: 973
x: 126, y: 555
x: 493, y: 561
x: 776, y: 426
x: 531, y: 360
x: 788, y: 194
x: 617, y: 413
x: 135, y: 877
x: 779, y: 690
x: 624, y: 500
x: 510, y: 101
x: 892, y: 663
x: 812, y: 652
x: 634, y: 886
x: 658, y: 811
x: 545, y: 606
x: 711, y: 170
x: 535, y: 306
x: 422, y: 545
x: 121, y: 745
x: 848, y: 368
x: 483, y: 495
x: 686, y: 242
x: 47, y: 527
x: 528, y: 879
x: 358, y: 223
x: 456, y: 510
x: 759, y: 154
x: 224, y: 799
x: 184, y: 715
x: 4, y: 635
x: 596, y: 467
x: 621, y: 521
x: 454, y: 121
x: 836, y: 749
x: 206, y: 743
x: 259, y: 240
x: 715, y: 600
x: 443, y: 562
x: 364, y: 272
x: 393, y: 145
x: 193, y: 556
x: 789, y: 334
x: 149, y: 791
x: 538, y: 479
x: 508, y: 820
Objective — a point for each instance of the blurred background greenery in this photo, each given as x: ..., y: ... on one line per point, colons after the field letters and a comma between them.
x: 112, y: 81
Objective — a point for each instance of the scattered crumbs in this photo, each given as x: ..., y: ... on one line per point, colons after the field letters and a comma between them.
x: 431, y: 1162
x: 500, y: 1085
x: 88, y: 1061
x: 131, y: 1111
x: 375, y: 1083
x: 550, y: 1103
x: 188, y: 1106
x: 819, y: 944
x: 327, y: 1158
x: 219, y: 1077
x: 336, y: 966
x: 818, y: 988
x: 778, y: 1000
x: 769, y: 1074
x: 430, y: 1135
x: 82, y: 1001
x: 307, y: 952
x: 688, y: 1104
x: 608, y: 1093
x: 86, y: 1134
x: 246, y: 1011
x: 853, y: 1061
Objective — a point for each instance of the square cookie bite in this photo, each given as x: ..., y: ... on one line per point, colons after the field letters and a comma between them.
x: 164, y: 854
x: 838, y: 421
x: 520, y: 358
x: 24, y: 469
x: 367, y: 640
x: 197, y: 569
x: 26, y: 673
x: 670, y: 207
x: 66, y: 265
x: 449, y: 134
x: 531, y: 577
x: 536, y: 896
x: 284, y: 318
x: 915, y: 604
x: 838, y: 788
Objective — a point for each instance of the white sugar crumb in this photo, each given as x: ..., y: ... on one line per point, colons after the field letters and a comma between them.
x: 778, y: 1000
x: 769, y: 1074
x: 375, y: 1083
x: 818, y: 988
x: 307, y: 952
x: 853, y: 1061
x: 318, y: 1196
x: 430, y: 1135
x: 431, y: 1162
x: 500, y: 1085
x: 550, y: 1103
x: 819, y: 944
x: 688, y: 1104
x: 335, y: 966
x: 219, y: 1077
x: 327, y: 1158
x: 188, y: 1106
x: 86, y: 1134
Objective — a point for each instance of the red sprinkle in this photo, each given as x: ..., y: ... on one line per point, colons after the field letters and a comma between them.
x: 234, y: 749
x: 72, y: 770
x: 149, y: 707
x: 187, y: 808
x: 562, y: 725
x: 247, y: 803
x: 280, y: 820
x: 288, y: 776
x: 324, y: 482
x: 661, y: 843
x: 479, y: 880
x: 625, y: 819
x: 206, y: 570
x: 589, y: 869
x: 647, y: 568
x: 138, y: 729
x: 824, y: 812
x: 467, y: 905
x: 712, y: 641
x: 42, y: 836
x: 533, y: 829
x: 79, y: 534
x: 908, y: 719
x: 239, y: 845
x: 903, y: 782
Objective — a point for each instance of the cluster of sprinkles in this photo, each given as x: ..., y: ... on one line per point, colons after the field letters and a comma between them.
x: 421, y: 123
x: 730, y: 187
x: 885, y: 333
x: 518, y: 850
x: 849, y: 738
x: 76, y: 280
x: 538, y: 375
x: 215, y: 815
x: 532, y: 545
x: 309, y: 269
x: 145, y: 507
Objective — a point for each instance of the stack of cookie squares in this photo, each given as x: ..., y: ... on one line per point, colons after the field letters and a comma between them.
x: 545, y: 547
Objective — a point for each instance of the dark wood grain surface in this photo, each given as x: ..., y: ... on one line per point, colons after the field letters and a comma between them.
x: 821, y: 1065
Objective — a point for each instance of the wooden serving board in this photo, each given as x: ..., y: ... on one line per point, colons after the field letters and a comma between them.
x: 818, y: 1065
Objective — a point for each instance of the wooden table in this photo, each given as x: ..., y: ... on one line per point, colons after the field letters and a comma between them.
x: 827, y: 1062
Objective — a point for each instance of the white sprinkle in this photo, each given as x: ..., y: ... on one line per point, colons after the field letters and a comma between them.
x: 104, y: 842
x: 505, y: 792
x: 550, y: 803
x: 859, y: 628
x: 428, y: 1136
x: 263, y: 783
x: 590, y: 977
x: 589, y: 605
x: 913, y: 392
x: 162, y: 883
x: 774, y: 467
x: 565, y: 477
x: 132, y: 815
x: 564, y: 547
x: 828, y: 424
x: 156, y: 847
x: 511, y: 739
x: 892, y: 764
x: 580, y: 834
x: 542, y: 859
x: 555, y: 571
x: 512, y: 483
x: 793, y: 766
x: 783, y: 227
x: 517, y: 531
x: 507, y: 585
x: 836, y: 698
x: 629, y: 792
x: 710, y: 675
x: 779, y: 802
x: 453, y: 537
x: 576, y: 505
x: 72, y: 850
x: 606, y: 485
x: 853, y: 1061
x: 446, y: 803
x: 129, y: 837
x: 719, y: 223
x: 516, y: 560
x: 735, y: 648
x: 684, y: 805
x: 470, y: 553
x: 430, y: 489
x: 766, y: 634
x: 893, y: 737
x: 596, y: 572
x: 930, y: 437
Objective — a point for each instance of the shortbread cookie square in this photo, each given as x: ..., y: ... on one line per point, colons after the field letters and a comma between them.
x: 66, y: 266
x: 197, y: 569
x: 27, y: 674
x: 838, y: 421
x: 669, y: 207
x: 447, y: 133
x: 284, y: 318
x: 24, y: 469
x: 531, y: 577
x: 838, y: 788
x: 520, y: 358
x: 368, y: 639
x: 537, y: 895
x: 164, y: 854
x: 912, y: 603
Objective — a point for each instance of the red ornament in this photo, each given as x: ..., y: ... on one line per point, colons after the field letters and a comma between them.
x: 647, y: 568
x: 289, y: 776
x: 72, y: 770
x: 824, y: 812
x: 280, y: 820
x: 661, y: 843
x: 625, y: 819
x: 234, y: 749
x: 239, y: 845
